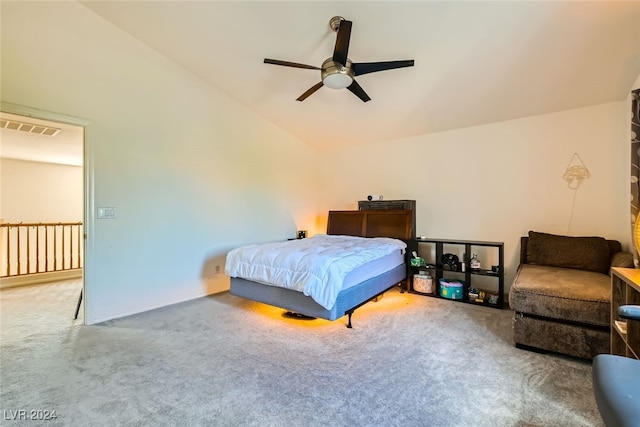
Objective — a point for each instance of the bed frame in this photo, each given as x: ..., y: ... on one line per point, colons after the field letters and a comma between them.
x: 365, y: 223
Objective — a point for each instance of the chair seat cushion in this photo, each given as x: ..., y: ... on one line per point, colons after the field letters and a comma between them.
x: 562, y: 293
x: 616, y: 386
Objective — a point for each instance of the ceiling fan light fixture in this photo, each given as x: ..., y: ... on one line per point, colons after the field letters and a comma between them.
x: 337, y: 81
x: 336, y: 75
x: 338, y: 72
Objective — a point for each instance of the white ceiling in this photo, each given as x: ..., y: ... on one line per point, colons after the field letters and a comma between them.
x: 475, y: 62
x: 65, y: 147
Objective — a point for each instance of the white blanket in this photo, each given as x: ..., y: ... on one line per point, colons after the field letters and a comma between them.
x: 315, y: 266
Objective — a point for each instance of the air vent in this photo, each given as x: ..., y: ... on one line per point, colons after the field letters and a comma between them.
x: 28, y: 127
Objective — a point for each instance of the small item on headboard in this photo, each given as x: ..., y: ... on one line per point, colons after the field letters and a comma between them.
x: 302, y: 234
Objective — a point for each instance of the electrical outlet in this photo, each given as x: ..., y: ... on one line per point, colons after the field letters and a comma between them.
x: 218, y: 269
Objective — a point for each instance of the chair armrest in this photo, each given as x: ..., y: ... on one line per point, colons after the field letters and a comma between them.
x: 631, y: 312
x: 622, y: 259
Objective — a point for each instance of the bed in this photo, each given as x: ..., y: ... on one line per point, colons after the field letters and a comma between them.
x: 394, y: 224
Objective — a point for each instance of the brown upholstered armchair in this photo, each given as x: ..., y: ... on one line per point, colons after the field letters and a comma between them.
x: 561, y: 296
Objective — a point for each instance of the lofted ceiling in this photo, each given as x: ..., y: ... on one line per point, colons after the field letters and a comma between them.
x: 476, y: 62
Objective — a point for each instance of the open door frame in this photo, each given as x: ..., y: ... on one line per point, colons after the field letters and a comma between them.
x: 88, y: 186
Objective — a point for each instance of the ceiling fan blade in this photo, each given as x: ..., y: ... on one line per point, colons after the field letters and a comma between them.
x: 290, y: 64
x: 371, y: 67
x: 355, y: 88
x: 310, y: 91
x: 342, y: 42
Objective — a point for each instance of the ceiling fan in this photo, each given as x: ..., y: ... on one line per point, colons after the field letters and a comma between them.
x: 338, y: 72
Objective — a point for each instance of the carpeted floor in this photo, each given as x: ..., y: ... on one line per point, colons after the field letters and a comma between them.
x: 223, y: 361
x: 38, y: 309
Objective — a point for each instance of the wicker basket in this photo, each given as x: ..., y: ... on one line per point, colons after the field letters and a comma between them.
x: 423, y: 283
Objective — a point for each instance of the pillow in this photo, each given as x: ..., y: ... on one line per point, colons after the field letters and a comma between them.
x: 583, y: 253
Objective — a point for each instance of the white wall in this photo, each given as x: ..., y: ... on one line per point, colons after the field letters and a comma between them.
x: 40, y: 192
x: 496, y: 182
x: 191, y: 172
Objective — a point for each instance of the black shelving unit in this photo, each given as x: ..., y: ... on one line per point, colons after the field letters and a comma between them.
x: 440, y: 270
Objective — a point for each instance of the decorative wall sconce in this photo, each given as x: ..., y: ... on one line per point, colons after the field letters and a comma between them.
x: 576, y: 172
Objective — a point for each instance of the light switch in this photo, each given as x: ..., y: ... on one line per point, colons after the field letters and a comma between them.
x: 106, y: 213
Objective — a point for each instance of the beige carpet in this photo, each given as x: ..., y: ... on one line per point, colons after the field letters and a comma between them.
x: 38, y: 309
x: 224, y: 361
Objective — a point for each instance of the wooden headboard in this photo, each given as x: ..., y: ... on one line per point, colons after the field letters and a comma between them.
x: 371, y: 223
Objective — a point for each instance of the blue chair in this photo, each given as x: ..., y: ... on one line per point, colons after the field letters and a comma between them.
x: 616, y: 382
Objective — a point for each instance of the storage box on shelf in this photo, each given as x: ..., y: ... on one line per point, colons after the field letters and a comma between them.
x: 625, y: 290
x: 449, y: 277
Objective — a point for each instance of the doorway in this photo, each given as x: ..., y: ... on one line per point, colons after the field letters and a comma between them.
x: 44, y: 184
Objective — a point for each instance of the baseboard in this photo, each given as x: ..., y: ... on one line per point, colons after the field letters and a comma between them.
x: 37, y: 278
x: 188, y: 292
